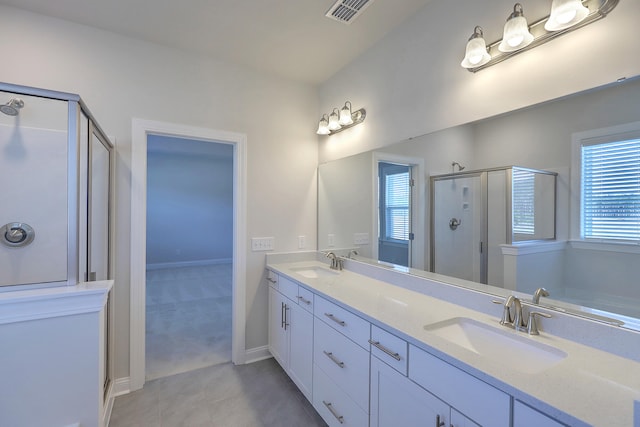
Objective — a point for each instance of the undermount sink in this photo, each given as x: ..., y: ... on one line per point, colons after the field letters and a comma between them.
x: 516, y: 352
x: 314, y: 272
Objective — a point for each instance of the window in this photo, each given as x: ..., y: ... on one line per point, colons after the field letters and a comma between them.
x: 395, y: 200
x: 610, y: 189
x: 523, y: 193
x: 397, y: 206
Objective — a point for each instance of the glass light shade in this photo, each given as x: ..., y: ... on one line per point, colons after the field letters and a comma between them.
x: 516, y: 35
x: 345, y: 115
x: 323, y: 126
x: 565, y: 14
x: 476, y: 53
x: 334, y: 123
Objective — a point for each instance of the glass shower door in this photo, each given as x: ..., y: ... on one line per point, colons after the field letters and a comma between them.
x: 458, y: 227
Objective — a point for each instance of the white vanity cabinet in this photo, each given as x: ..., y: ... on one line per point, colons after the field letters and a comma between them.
x: 291, y: 331
x: 459, y: 420
x: 524, y: 416
x: 477, y: 400
x: 398, y: 401
x: 340, y: 365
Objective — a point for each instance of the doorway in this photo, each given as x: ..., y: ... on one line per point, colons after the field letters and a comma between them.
x: 189, y: 255
x: 141, y: 129
x: 399, y: 211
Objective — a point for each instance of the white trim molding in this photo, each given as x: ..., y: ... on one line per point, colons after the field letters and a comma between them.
x: 533, y: 248
x: 257, y: 354
x: 45, y: 303
x: 140, y: 130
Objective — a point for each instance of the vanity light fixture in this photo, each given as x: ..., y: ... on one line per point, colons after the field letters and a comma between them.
x: 323, y: 126
x: 476, y: 53
x: 334, y: 121
x: 565, y: 16
x: 516, y: 31
x: 340, y: 119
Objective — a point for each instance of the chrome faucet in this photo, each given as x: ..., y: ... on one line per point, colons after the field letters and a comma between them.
x: 518, y: 321
x: 540, y: 292
x: 519, y: 324
x: 336, y: 263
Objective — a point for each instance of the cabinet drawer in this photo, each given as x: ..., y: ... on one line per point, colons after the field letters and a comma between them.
x: 389, y: 348
x: 343, y: 321
x: 484, y: 404
x: 524, y: 416
x: 343, y: 361
x: 305, y: 299
x: 272, y: 279
x: 287, y: 287
x: 333, y: 404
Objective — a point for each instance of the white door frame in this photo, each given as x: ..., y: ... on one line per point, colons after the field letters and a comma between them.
x: 140, y: 129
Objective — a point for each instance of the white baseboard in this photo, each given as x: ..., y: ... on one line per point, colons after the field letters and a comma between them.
x: 257, y: 354
x: 121, y: 386
x: 198, y: 263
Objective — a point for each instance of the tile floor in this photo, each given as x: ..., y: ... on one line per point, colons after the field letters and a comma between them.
x: 188, y: 319
x: 255, y: 395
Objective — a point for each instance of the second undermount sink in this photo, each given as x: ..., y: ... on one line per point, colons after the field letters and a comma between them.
x: 506, y: 347
x: 314, y: 272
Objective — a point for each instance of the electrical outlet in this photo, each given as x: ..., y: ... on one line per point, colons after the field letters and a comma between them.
x: 331, y: 240
x: 262, y: 244
x: 302, y: 242
x: 361, y: 238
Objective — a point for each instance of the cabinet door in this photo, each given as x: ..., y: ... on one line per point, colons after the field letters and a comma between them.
x: 459, y: 420
x: 301, y: 348
x: 398, y: 401
x: 278, y: 330
x: 524, y: 416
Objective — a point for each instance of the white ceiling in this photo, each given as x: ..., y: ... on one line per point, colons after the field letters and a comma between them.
x: 291, y: 38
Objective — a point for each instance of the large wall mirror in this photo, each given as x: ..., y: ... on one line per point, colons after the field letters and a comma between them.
x: 385, y: 203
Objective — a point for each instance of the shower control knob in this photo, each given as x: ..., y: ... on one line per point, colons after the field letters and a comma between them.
x: 17, y: 234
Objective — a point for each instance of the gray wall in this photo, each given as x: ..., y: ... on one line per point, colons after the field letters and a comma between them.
x: 189, y: 201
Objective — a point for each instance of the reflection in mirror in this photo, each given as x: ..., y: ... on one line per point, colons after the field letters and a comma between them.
x: 590, y: 275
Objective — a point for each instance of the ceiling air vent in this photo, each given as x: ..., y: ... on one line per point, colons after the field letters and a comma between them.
x: 346, y: 11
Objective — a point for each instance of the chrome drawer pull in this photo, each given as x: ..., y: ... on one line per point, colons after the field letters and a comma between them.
x: 440, y: 423
x: 333, y: 359
x: 332, y: 317
x: 272, y: 280
x: 385, y: 350
x: 306, y: 301
x: 340, y: 418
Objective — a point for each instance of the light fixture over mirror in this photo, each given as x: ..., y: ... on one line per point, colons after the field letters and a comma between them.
x: 340, y: 119
x: 476, y: 53
x: 516, y: 31
x: 565, y: 16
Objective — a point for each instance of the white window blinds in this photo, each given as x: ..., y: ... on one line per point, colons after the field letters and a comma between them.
x: 397, y: 206
x: 611, y: 190
x: 523, y: 194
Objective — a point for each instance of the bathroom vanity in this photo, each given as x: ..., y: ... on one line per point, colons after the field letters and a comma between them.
x: 369, y: 346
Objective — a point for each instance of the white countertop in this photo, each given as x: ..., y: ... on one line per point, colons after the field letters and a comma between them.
x: 588, y: 387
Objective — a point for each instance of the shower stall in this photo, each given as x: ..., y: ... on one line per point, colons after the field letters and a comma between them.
x: 56, y: 168
x: 475, y: 214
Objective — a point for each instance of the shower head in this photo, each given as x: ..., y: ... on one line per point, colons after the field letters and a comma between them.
x: 12, y: 108
x: 460, y: 167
